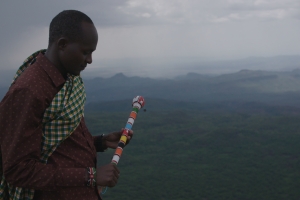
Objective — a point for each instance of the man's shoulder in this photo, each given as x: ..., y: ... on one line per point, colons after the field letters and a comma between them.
x: 41, y: 72
x: 34, y: 81
x: 41, y: 80
x: 34, y: 77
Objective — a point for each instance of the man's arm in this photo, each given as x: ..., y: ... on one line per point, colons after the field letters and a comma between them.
x: 21, y: 113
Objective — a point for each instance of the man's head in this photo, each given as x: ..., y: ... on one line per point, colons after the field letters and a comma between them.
x: 72, y: 39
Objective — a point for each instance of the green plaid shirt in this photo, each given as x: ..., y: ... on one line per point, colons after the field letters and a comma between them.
x: 60, y: 119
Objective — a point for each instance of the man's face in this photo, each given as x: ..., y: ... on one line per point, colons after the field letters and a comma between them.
x: 76, y: 55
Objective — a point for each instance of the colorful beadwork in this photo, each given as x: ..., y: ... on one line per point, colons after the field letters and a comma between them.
x: 137, y: 103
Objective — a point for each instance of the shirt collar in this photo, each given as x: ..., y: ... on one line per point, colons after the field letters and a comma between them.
x: 54, y: 74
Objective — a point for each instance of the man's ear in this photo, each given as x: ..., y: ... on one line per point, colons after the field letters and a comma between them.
x: 62, y: 43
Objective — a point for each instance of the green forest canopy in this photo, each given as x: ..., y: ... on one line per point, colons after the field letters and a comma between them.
x: 179, y: 154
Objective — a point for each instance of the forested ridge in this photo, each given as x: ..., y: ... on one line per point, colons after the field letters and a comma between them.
x: 272, y: 88
x: 229, y: 137
x: 244, y: 151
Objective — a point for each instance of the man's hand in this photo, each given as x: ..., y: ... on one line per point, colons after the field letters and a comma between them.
x: 111, y: 140
x: 107, y: 175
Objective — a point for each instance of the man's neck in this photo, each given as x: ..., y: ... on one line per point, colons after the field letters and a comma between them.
x: 52, y: 55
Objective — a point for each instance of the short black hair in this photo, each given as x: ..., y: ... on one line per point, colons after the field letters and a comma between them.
x: 67, y: 23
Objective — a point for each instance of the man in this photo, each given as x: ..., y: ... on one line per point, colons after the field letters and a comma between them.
x: 47, y: 151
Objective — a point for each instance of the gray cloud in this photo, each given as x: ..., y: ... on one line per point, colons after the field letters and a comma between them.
x: 158, y: 29
x: 263, y: 9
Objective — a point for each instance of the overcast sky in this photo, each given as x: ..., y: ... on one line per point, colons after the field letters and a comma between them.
x: 148, y: 37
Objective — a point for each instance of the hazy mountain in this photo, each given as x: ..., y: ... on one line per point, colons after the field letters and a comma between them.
x: 274, y: 88
x: 170, y: 67
x: 157, y: 105
x: 281, y: 88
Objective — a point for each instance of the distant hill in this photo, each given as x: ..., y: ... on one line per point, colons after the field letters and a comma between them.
x: 177, y: 66
x: 268, y: 87
x: 157, y: 105
x: 274, y: 88
x: 263, y: 81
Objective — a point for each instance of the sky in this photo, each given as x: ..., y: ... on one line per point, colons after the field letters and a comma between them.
x: 157, y: 38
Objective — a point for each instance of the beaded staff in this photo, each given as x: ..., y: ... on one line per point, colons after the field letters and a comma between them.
x: 137, y: 103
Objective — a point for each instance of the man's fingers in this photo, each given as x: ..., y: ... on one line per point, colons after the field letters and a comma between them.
x: 116, y: 169
x: 130, y: 133
x: 115, y: 177
x: 108, y: 175
x: 112, y: 182
x: 112, y: 145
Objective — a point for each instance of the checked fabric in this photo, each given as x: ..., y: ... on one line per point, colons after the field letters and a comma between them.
x: 60, y: 119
